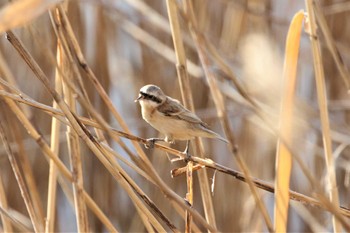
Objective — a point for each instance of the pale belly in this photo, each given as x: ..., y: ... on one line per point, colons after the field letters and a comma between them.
x: 172, y: 129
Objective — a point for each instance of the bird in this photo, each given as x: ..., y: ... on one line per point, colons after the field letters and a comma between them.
x: 171, y: 118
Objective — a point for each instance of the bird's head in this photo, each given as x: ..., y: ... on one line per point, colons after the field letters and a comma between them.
x: 151, y: 95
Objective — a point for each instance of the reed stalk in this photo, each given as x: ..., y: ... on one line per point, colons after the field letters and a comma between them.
x: 322, y: 101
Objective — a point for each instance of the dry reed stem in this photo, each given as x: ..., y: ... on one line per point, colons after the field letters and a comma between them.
x: 189, y: 195
x: 322, y: 101
x: 6, y: 223
x: 343, y: 70
x: 187, y: 99
x: 74, y: 151
x: 36, y: 221
x: 73, y: 144
x: 222, y: 112
x: 54, y: 146
x: 185, y: 88
x: 283, y: 154
x: 56, y: 20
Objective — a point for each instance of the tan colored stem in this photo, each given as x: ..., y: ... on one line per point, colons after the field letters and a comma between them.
x: 322, y: 101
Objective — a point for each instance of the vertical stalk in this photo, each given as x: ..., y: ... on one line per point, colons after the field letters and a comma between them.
x: 189, y: 195
x: 73, y: 146
x: 322, y: 101
x: 54, y: 145
x: 187, y: 99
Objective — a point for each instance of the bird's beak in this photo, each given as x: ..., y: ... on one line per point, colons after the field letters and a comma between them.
x: 138, y: 98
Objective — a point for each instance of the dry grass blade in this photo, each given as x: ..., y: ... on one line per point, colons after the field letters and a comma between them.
x: 283, y: 155
x: 18, y: 13
x: 322, y: 101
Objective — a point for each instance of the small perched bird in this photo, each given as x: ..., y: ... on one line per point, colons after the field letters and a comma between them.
x: 171, y: 118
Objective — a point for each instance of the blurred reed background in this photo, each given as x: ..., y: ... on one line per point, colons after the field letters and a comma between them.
x: 128, y: 44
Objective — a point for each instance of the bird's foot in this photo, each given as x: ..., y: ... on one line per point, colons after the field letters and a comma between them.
x: 187, y: 156
x: 151, y: 141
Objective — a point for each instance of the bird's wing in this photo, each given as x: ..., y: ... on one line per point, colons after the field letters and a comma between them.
x: 173, y: 108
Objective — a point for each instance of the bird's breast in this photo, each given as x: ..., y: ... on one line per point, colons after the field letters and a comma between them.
x: 147, y: 113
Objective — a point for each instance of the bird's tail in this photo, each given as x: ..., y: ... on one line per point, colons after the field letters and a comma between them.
x: 216, y: 135
x: 211, y: 134
x: 221, y: 138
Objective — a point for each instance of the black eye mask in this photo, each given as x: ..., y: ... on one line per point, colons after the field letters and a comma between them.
x: 150, y: 97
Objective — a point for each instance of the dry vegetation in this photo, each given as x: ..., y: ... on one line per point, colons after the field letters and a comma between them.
x: 72, y: 155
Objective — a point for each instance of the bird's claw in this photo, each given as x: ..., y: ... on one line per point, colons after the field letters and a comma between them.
x: 150, y: 143
x: 187, y: 156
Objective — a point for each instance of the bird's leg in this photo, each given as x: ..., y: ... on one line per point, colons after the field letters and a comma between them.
x: 151, y: 141
x: 187, y: 155
x: 187, y: 150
